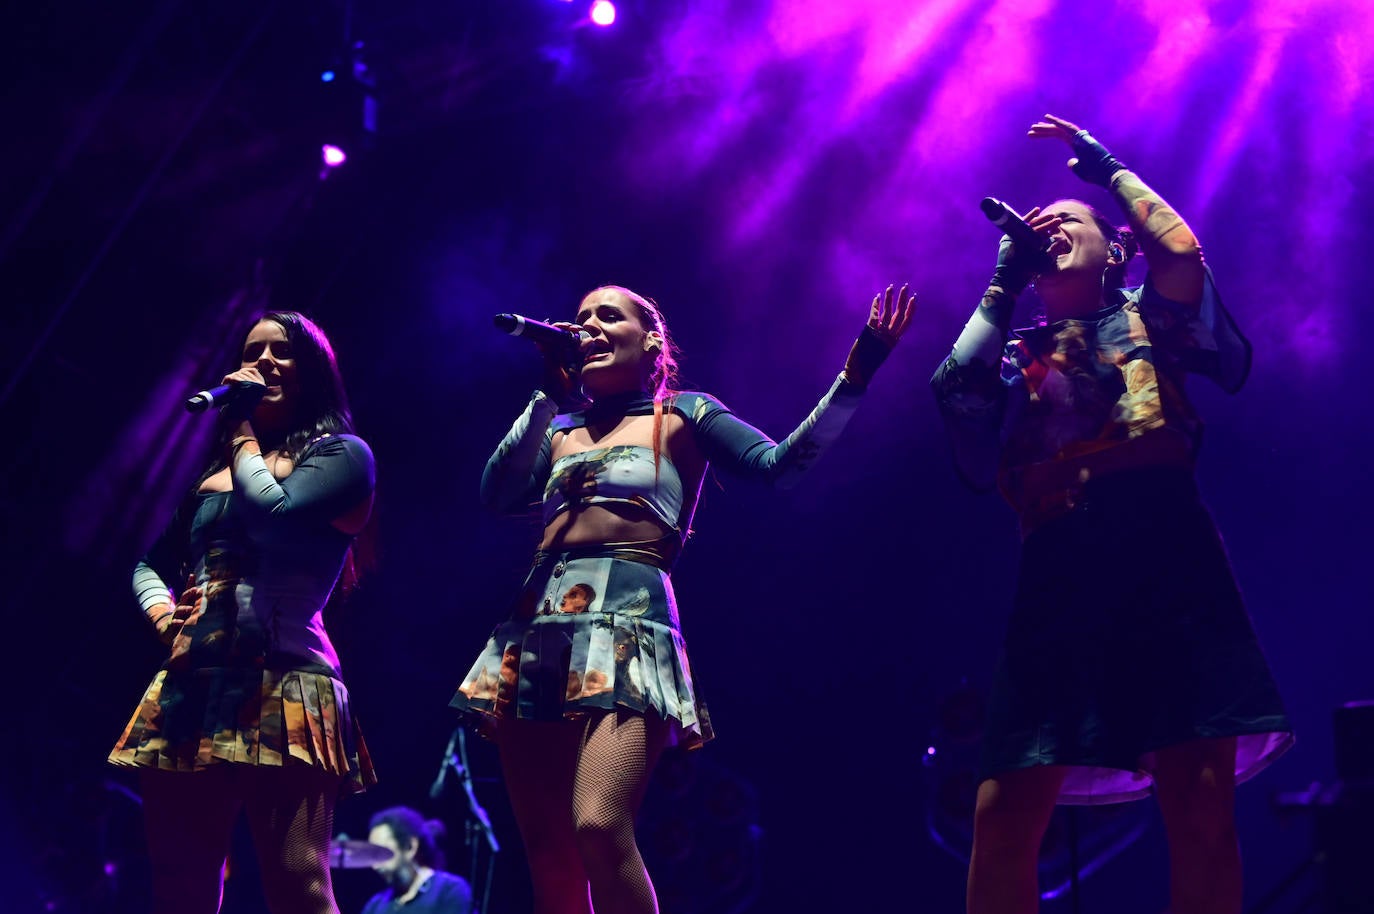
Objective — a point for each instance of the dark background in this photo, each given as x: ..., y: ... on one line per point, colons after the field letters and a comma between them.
x: 761, y: 169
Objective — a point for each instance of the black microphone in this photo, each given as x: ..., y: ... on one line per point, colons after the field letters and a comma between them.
x: 225, y: 394
x: 540, y: 332
x: 437, y: 788
x: 1005, y: 218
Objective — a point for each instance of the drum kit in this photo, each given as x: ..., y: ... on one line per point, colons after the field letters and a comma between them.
x: 350, y: 854
x: 347, y: 853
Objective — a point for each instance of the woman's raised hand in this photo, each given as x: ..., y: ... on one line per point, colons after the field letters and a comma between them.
x: 888, y: 318
x: 1054, y: 128
x: 1091, y: 161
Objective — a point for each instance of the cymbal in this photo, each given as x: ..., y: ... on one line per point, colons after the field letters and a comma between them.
x: 349, y: 855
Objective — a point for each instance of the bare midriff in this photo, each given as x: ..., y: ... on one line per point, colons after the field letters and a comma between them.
x: 584, y: 525
x: 597, y: 525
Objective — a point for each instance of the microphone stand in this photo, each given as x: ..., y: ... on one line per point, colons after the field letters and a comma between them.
x: 478, y: 820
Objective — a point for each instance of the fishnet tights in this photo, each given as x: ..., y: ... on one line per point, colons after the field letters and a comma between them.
x: 189, y: 818
x: 618, y: 755
x: 575, y: 787
x: 291, y: 814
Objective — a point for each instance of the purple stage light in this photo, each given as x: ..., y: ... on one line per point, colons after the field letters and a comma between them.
x: 332, y: 155
x: 603, y: 12
x: 327, y: 76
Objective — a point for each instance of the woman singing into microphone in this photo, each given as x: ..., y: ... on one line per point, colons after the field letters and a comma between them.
x: 588, y: 681
x: 1130, y: 666
x: 249, y: 713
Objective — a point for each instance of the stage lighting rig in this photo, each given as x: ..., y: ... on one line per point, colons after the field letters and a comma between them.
x: 348, y: 96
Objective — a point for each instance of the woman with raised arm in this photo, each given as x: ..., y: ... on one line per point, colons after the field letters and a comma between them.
x: 1130, y: 665
x: 589, y: 681
x: 248, y: 713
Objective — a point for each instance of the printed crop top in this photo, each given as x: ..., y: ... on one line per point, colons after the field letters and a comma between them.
x: 623, y: 474
x: 522, y: 471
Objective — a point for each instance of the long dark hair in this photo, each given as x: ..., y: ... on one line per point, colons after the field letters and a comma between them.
x: 321, y: 407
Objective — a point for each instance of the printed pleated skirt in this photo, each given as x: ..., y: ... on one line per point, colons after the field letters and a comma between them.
x: 592, y: 630
x: 222, y: 697
x: 188, y: 720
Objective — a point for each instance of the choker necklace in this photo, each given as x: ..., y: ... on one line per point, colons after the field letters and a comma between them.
x: 626, y: 402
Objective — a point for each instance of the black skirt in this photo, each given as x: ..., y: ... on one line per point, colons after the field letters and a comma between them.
x: 1129, y: 635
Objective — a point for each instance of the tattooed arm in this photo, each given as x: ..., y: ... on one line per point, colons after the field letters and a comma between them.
x: 1169, y: 245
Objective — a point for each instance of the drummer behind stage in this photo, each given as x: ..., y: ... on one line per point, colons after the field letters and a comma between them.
x: 416, y: 882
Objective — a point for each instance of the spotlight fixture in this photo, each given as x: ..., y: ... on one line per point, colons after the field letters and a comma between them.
x: 332, y: 156
x: 603, y: 12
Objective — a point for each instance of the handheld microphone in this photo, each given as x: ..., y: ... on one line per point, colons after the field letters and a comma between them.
x: 1025, y: 238
x: 540, y: 332
x: 224, y: 394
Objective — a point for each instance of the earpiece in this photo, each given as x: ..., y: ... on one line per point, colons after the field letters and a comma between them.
x: 1118, y: 253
